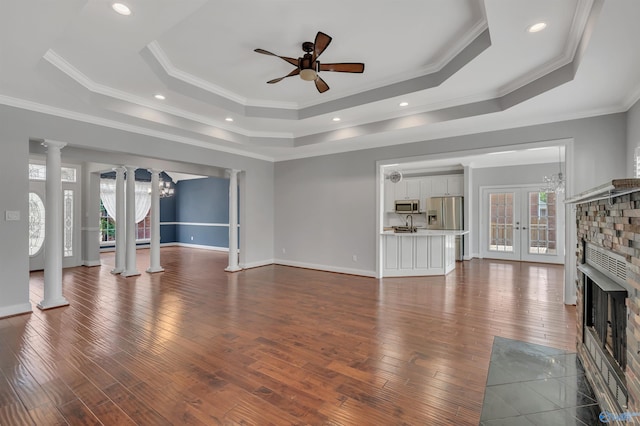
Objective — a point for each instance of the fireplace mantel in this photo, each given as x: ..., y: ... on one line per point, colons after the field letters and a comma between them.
x: 609, y: 189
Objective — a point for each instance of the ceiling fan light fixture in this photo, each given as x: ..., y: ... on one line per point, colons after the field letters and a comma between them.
x: 308, y: 75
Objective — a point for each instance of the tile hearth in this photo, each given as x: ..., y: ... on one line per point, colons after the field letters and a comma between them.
x: 530, y: 384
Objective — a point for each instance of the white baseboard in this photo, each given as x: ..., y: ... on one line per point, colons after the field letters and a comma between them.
x: 198, y: 246
x: 9, y: 311
x: 91, y: 263
x: 257, y: 264
x: 350, y: 271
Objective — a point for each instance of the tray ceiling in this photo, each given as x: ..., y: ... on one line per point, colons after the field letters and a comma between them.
x: 462, y: 66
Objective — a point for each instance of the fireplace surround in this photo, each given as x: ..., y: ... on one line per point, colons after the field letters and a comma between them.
x: 608, y: 292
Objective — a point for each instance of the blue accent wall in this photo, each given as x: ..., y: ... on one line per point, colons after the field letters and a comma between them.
x: 203, y: 201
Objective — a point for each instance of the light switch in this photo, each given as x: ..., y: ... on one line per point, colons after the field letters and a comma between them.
x: 12, y: 215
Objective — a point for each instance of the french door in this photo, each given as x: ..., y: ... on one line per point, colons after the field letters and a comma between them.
x: 522, y: 224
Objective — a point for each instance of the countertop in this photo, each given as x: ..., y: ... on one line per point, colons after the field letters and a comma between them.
x: 426, y: 233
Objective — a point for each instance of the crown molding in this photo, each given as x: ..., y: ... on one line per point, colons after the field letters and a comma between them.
x: 83, y: 80
x: 581, y: 16
x: 90, y: 119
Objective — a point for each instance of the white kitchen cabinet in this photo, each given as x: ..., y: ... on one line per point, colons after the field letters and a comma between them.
x: 418, y: 254
x: 425, y: 193
x: 408, y: 189
x: 447, y: 185
x: 389, y: 196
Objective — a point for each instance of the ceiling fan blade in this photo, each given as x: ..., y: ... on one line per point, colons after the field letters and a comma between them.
x: 343, y: 67
x: 321, y: 85
x: 292, y: 73
x: 292, y: 61
x: 320, y: 44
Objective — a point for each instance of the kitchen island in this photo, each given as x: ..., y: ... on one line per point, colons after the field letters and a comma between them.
x: 421, y: 253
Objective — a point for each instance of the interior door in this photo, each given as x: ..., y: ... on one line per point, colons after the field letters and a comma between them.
x: 523, y: 224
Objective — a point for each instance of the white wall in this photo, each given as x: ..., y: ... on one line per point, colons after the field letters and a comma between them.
x: 633, y: 137
x: 325, y: 206
x: 18, y: 126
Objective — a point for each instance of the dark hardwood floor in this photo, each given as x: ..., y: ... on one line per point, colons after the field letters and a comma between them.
x: 271, y: 345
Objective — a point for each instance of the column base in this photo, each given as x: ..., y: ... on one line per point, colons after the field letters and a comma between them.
x: 155, y: 269
x: 116, y: 271
x: 55, y: 303
x: 129, y: 273
x: 233, y: 269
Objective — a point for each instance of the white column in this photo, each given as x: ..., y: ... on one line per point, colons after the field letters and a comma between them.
x: 53, y: 297
x: 154, y: 252
x: 121, y: 223
x: 130, y: 219
x: 233, y: 222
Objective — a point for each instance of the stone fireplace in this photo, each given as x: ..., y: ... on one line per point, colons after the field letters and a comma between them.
x: 608, y: 286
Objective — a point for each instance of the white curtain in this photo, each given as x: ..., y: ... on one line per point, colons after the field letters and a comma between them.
x: 143, y: 198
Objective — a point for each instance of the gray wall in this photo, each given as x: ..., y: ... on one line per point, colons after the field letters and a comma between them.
x: 633, y: 137
x: 325, y: 206
x: 18, y: 126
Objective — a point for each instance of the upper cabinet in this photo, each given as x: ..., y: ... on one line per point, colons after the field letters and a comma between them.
x: 408, y: 189
x: 421, y: 188
x: 447, y: 185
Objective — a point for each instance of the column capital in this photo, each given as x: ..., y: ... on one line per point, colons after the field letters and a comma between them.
x: 53, y: 144
x: 233, y: 171
x: 158, y: 171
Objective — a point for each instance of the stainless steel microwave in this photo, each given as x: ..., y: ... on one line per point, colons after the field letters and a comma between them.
x: 407, y: 206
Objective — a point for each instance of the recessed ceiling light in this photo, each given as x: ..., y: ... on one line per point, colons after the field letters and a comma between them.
x: 537, y: 27
x: 228, y: 119
x: 159, y: 97
x: 404, y: 104
x: 336, y: 118
x: 121, y: 8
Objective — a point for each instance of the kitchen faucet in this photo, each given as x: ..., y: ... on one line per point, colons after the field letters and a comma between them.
x: 407, y: 219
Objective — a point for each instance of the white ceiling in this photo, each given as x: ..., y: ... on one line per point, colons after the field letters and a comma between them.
x: 464, y: 66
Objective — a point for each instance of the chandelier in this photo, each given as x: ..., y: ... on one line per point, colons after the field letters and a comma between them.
x: 556, y: 182
x: 165, y: 189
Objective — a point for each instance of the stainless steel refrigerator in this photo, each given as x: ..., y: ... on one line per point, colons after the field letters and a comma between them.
x: 447, y: 213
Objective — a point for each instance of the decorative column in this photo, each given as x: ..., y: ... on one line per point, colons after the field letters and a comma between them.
x: 154, y: 252
x: 233, y: 222
x: 53, y: 297
x: 130, y: 219
x: 121, y: 223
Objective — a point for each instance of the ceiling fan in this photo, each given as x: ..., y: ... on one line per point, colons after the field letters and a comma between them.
x: 308, y: 66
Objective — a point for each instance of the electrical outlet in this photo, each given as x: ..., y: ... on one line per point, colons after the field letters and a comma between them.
x: 355, y: 258
x: 192, y: 238
x: 284, y: 251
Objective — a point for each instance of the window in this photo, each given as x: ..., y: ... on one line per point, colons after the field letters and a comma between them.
x: 108, y: 227
x: 67, y: 198
x: 39, y: 172
x: 637, y: 162
x: 36, y: 223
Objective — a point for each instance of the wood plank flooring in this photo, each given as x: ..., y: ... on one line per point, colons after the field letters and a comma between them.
x: 272, y: 345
